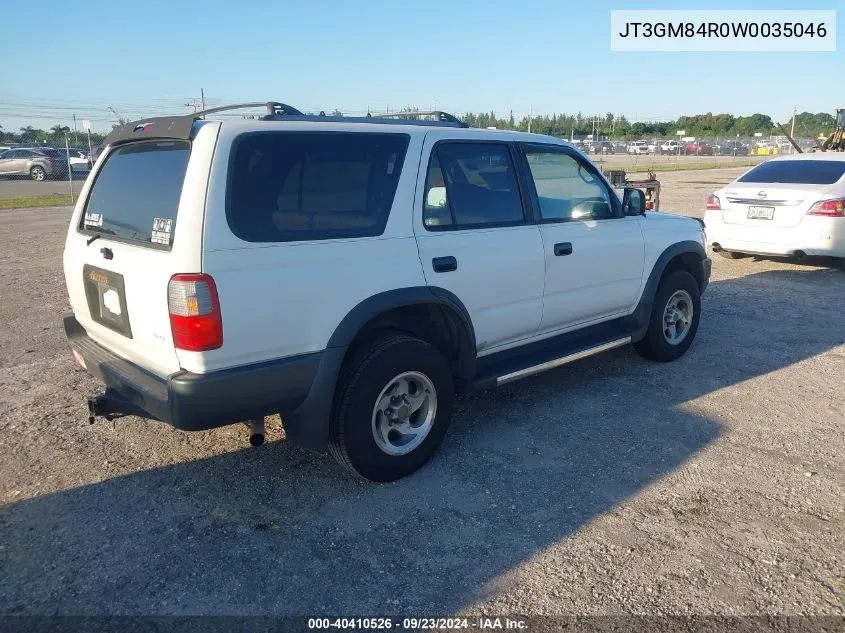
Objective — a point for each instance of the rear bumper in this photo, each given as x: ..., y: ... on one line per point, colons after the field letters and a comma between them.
x: 813, y: 236
x: 194, y: 402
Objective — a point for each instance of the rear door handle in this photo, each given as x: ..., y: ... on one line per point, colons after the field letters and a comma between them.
x: 563, y: 248
x: 444, y: 264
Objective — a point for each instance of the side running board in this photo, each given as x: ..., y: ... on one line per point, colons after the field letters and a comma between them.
x: 563, y: 360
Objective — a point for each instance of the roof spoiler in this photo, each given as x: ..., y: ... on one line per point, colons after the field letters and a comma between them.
x: 179, y: 127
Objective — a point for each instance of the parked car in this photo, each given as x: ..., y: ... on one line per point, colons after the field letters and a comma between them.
x: 699, y: 148
x: 733, y: 148
x: 653, y: 146
x: 790, y: 205
x: 39, y: 164
x: 672, y: 147
x: 603, y: 147
x: 638, y: 147
x: 197, y: 223
x: 79, y: 160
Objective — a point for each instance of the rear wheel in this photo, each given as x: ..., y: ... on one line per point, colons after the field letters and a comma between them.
x: 392, y: 408
x: 38, y: 173
x: 674, y: 318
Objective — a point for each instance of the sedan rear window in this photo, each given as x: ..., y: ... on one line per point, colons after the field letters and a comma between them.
x: 136, y: 194
x: 804, y: 172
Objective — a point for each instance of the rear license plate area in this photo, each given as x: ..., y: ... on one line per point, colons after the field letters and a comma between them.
x: 106, y: 295
x: 761, y: 213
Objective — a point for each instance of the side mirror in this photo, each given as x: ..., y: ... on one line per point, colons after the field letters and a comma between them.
x: 633, y: 201
x: 436, y: 197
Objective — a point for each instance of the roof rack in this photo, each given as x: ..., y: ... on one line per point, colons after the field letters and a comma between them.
x: 180, y: 126
x: 274, y: 108
x: 443, y: 117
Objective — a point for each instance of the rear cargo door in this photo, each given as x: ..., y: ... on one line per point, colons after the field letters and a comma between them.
x: 132, y: 232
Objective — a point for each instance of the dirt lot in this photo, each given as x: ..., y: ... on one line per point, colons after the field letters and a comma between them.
x: 715, y: 484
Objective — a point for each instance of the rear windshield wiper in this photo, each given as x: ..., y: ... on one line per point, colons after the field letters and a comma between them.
x: 99, y: 233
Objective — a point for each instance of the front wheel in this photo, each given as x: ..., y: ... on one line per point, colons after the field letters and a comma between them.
x: 38, y: 174
x: 392, y: 408
x: 674, y: 318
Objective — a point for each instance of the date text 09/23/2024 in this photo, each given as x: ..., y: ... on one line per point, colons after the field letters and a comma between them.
x: 418, y: 624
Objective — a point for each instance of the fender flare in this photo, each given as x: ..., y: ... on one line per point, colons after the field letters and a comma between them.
x: 678, y: 248
x: 642, y: 313
x: 308, y: 425
x: 371, y: 307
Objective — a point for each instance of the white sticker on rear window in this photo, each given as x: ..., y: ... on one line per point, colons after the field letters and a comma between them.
x: 93, y: 219
x: 162, y: 231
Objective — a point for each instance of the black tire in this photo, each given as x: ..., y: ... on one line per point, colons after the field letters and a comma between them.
x: 842, y: 263
x: 351, y: 437
x: 732, y: 254
x: 38, y: 173
x: 655, y: 346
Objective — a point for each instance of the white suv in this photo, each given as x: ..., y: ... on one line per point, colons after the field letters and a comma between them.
x: 353, y: 274
x: 638, y: 147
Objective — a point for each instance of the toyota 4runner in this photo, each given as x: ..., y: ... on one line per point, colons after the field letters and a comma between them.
x: 352, y: 274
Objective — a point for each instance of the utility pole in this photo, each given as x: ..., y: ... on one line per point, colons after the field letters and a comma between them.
x: 202, y: 98
x: 75, y: 140
x: 530, y: 116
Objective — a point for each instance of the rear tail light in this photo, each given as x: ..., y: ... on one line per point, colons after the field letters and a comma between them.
x: 713, y: 203
x: 829, y: 208
x: 195, y: 319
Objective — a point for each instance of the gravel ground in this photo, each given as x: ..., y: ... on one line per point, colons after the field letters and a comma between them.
x: 712, y: 485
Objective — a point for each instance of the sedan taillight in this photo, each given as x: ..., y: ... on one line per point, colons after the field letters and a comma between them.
x: 829, y: 208
x: 713, y: 203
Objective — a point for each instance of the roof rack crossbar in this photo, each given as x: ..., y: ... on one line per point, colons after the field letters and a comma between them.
x: 445, y: 117
x: 273, y: 108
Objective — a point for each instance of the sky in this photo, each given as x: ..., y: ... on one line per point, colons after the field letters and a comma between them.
x: 542, y: 56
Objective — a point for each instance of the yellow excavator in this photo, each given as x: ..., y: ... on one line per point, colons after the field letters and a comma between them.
x: 834, y: 143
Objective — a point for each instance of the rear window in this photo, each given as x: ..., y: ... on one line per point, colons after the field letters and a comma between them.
x: 804, y: 172
x: 136, y: 194
x: 287, y: 186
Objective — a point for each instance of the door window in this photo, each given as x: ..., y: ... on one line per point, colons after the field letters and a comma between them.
x: 471, y: 185
x: 568, y: 188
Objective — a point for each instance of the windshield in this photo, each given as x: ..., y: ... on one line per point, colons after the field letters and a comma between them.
x: 136, y: 194
x: 804, y: 172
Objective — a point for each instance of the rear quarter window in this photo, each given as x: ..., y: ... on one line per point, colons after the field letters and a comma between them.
x: 803, y: 172
x: 291, y: 186
x: 135, y: 196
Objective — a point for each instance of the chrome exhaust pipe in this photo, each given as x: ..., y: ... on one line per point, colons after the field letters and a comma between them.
x: 256, y: 432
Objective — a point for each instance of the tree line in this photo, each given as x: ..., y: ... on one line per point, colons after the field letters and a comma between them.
x: 807, y: 125
x: 55, y: 136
